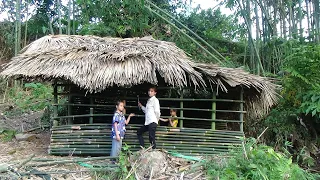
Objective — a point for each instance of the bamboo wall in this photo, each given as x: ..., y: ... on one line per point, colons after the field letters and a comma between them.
x: 95, y: 139
x: 208, y: 123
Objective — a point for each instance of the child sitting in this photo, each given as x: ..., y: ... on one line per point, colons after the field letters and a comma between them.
x: 173, y: 120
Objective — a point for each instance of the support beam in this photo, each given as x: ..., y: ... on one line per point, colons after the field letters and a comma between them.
x: 70, y: 120
x: 214, y: 107
x: 55, y: 101
x: 91, y: 112
x: 241, y: 109
x: 91, y: 116
x: 181, y: 109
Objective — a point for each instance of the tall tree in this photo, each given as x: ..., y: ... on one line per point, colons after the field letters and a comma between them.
x: 69, y: 16
x: 308, y: 19
x: 26, y: 23
x: 18, y: 28
x: 316, y: 15
x: 59, y: 15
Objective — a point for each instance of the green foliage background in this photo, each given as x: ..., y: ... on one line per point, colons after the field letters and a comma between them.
x: 293, y: 60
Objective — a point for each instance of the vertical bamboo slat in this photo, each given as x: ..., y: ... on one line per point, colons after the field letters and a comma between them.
x: 241, y: 109
x: 91, y: 116
x: 70, y: 120
x: 181, y: 110
x: 91, y: 111
x: 55, y: 107
x: 213, y: 115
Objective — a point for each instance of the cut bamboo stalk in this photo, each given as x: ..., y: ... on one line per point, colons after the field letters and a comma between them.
x: 68, y: 161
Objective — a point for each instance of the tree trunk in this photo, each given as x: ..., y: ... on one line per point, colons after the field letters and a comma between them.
x: 275, y: 19
x: 69, y: 14
x: 266, y: 16
x: 257, y: 21
x: 26, y: 26
x: 316, y: 14
x: 245, y: 17
x: 59, y: 15
x: 283, y: 19
x: 290, y: 21
x: 257, y: 31
x: 18, y: 28
x: 294, y: 24
x: 300, y: 21
x: 73, y: 18
x: 308, y: 18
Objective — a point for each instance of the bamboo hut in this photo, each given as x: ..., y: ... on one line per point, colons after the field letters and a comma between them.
x: 90, y: 73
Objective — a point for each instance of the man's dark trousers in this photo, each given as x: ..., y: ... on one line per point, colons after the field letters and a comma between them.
x: 152, y: 134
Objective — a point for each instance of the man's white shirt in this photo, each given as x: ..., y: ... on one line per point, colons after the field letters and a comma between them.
x: 152, y: 111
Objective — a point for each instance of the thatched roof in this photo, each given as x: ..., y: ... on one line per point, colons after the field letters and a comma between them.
x: 259, y: 92
x: 95, y: 63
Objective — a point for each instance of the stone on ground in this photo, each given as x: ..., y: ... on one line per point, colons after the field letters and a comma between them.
x: 25, y: 137
x: 155, y: 161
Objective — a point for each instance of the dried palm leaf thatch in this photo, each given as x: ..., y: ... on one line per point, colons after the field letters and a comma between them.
x: 260, y: 93
x: 94, y: 63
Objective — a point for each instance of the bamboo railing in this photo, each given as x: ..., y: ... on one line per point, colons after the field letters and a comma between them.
x: 216, y: 123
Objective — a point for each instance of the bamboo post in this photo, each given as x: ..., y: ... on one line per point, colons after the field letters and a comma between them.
x: 181, y: 109
x: 91, y: 116
x: 214, y: 107
x: 241, y: 110
x: 55, y: 107
x: 91, y: 111
x: 70, y: 120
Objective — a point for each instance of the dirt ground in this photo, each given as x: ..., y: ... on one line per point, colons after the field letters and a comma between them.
x: 16, y: 152
x: 29, y: 159
x: 13, y: 153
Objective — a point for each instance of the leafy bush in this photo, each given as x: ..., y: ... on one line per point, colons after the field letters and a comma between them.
x: 253, y: 161
x: 7, y: 135
x: 301, y: 84
x: 311, y: 103
x: 31, y: 97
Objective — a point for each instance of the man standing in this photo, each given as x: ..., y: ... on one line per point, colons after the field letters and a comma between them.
x: 152, y: 115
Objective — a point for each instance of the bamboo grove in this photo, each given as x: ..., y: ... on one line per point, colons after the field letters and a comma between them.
x: 261, y: 34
